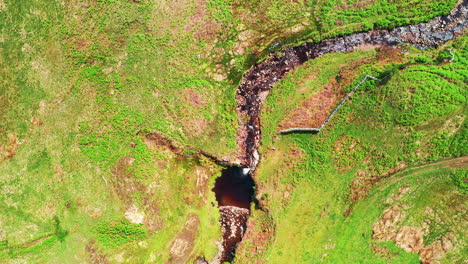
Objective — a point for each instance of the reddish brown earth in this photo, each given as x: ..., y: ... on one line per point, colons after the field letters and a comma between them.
x: 314, y: 110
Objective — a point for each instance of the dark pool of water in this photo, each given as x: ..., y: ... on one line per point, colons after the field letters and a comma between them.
x: 234, y: 188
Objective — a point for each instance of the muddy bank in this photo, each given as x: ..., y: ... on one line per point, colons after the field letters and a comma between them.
x: 255, y: 86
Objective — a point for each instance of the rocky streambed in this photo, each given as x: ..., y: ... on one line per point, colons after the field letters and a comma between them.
x: 256, y: 84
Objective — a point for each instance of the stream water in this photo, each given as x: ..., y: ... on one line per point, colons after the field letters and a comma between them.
x: 234, y: 191
x: 235, y: 188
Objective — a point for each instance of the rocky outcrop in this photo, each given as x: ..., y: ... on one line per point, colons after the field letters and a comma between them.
x: 410, y: 238
x: 233, y: 222
x: 384, y: 228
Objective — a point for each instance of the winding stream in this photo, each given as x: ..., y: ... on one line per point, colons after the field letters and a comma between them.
x: 234, y: 189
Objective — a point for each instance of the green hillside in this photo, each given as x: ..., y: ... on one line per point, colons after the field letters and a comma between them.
x: 105, y: 106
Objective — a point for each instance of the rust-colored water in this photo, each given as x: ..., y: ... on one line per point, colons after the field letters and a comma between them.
x: 234, y: 188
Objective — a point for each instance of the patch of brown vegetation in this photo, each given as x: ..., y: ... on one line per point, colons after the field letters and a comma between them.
x: 200, y: 24
x: 9, y: 150
x: 382, y: 251
x: 183, y: 243
x: 36, y: 122
x: 397, y: 196
x: 82, y: 44
x: 196, y: 126
x: 364, y: 181
x: 94, y: 256
x: 389, y: 54
x: 58, y: 171
x: 194, y: 98
x: 24, y: 245
x: 256, y: 241
x: 34, y: 242
x: 437, y: 250
x: 410, y: 239
x: 126, y: 186
x: 314, y: 110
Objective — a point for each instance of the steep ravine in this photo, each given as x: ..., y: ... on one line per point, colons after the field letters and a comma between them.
x: 234, y: 189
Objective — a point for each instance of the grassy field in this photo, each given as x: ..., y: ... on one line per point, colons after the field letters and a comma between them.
x: 318, y: 189
x: 103, y: 105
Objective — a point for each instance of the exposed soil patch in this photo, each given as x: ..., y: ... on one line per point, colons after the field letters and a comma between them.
x: 94, y: 256
x: 9, y: 150
x: 409, y: 238
x: 134, y: 215
x: 385, y: 228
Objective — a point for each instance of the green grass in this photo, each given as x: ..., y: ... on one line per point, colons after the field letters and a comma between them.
x: 82, y: 84
x: 116, y: 234
x: 270, y: 25
x: 305, y: 179
x: 91, y: 118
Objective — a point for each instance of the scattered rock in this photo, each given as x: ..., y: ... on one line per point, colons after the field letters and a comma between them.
x: 233, y: 222
x: 410, y: 239
x: 134, y: 216
x: 200, y: 261
x: 384, y: 228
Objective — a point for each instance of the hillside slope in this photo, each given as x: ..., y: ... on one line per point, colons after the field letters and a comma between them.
x: 106, y: 106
